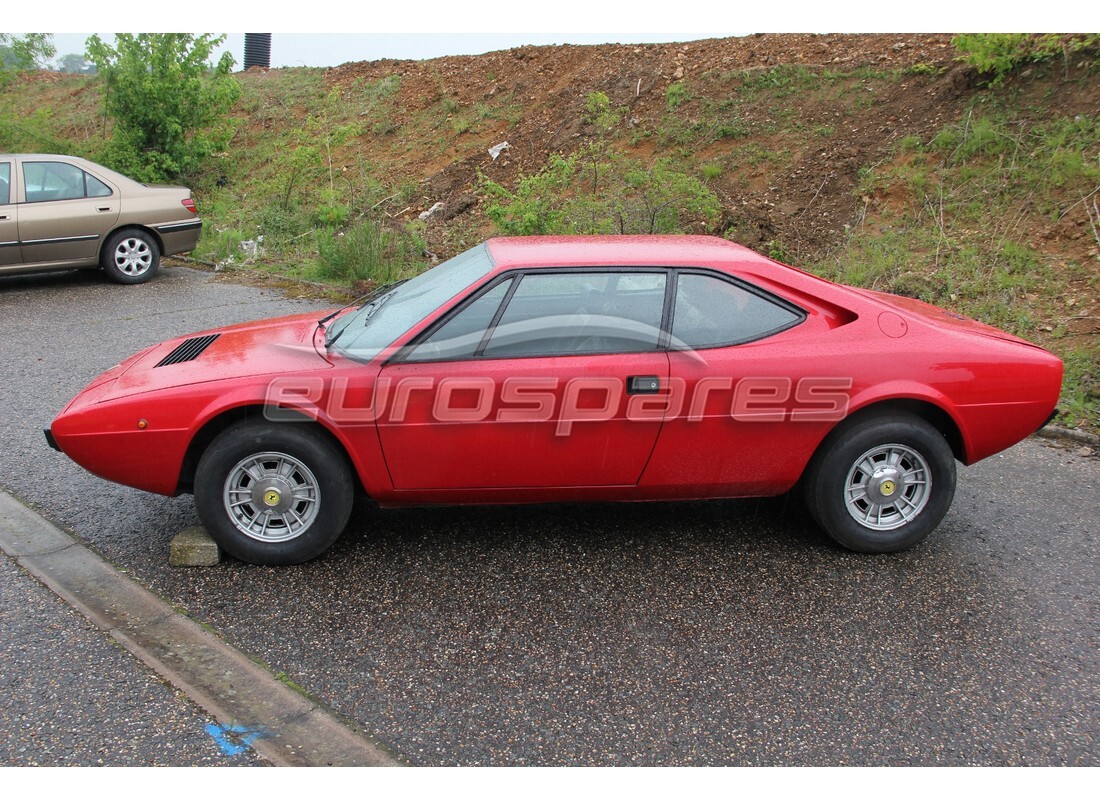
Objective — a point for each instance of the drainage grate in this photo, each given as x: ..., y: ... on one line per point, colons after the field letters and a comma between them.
x: 188, y: 350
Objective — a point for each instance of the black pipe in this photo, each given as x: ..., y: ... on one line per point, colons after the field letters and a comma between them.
x: 257, y: 50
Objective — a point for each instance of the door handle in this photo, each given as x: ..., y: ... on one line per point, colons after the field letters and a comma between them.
x: 103, y: 208
x: 643, y: 384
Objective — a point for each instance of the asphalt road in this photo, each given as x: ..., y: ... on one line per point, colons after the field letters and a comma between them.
x: 702, y: 633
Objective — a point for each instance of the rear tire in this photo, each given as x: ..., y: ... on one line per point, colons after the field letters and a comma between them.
x: 273, y: 493
x: 881, y: 483
x: 130, y: 256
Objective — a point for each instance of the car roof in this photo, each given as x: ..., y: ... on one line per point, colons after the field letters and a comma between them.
x: 657, y: 250
x: 84, y: 163
x: 51, y: 156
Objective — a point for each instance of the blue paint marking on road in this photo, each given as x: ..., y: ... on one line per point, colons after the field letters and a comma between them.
x: 235, y: 739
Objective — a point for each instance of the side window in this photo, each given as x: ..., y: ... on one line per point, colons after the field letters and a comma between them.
x: 460, y: 336
x: 710, y: 312
x: 581, y: 312
x: 96, y: 187
x: 5, y: 183
x: 53, y: 180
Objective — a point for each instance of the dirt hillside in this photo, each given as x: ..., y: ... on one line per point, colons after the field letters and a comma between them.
x: 807, y: 203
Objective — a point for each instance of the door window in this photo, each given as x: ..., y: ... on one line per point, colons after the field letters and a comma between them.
x: 712, y: 312
x: 55, y: 180
x: 581, y: 313
x: 460, y: 337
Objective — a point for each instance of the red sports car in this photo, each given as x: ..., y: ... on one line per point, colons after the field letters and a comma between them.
x: 569, y: 368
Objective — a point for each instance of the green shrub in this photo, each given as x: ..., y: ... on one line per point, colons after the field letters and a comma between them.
x: 598, y: 112
x: 367, y: 252
x: 598, y: 191
x: 676, y: 95
x: 168, y: 104
x: 221, y: 245
x: 998, y: 54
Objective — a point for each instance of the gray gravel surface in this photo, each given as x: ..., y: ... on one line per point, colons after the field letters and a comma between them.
x: 701, y: 633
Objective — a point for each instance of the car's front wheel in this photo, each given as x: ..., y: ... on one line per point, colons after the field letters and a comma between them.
x: 881, y: 483
x: 131, y: 256
x: 273, y: 493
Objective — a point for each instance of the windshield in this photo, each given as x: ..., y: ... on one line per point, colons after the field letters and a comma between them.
x: 369, y: 330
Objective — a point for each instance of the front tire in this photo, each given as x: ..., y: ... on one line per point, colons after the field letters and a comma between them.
x: 881, y: 483
x: 273, y: 493
x: 130, y: 256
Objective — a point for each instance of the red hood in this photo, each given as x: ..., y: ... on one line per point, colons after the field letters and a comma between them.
x: 270, y: 346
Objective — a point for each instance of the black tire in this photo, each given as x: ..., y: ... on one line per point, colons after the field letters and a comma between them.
x: 130, y: 256
x: 273, y: 493
x: 881, y: 483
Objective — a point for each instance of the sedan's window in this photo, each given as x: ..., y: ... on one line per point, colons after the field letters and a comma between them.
x: 710, y: 312
x: 581, y: 312
x: 96, y: 187
x: 5, y: 183
x: 53, y: 180
x: 461, y: 335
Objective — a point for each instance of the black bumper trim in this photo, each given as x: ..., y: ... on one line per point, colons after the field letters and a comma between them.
x: 175, y: 227
x: 50, y: 440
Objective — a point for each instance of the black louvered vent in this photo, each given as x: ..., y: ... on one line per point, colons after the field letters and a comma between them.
x: 188, y: 350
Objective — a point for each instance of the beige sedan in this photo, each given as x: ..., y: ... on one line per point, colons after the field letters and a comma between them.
x: 58, y: 212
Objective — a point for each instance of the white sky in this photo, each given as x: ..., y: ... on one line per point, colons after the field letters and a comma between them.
x: 305, y: 35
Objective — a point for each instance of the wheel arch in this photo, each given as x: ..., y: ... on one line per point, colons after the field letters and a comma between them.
x: 931, y: 413
x: 213, y: 427
x: 130, y: 226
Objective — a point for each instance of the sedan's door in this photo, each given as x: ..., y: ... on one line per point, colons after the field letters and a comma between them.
x: 9, y: 220
x: 539, y: 381
x: 66, y: 213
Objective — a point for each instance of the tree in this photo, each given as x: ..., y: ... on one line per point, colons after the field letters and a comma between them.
x: 168, y: 103
x: 30, y: 51
x: 72, y: 62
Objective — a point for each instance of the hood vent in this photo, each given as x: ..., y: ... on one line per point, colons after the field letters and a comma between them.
x: 188, y: 350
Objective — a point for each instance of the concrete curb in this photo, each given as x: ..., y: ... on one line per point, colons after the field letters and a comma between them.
x: 1055, y: 433
x: 288, y: 728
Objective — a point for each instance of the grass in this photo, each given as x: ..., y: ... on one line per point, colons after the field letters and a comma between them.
x: 366, y: 253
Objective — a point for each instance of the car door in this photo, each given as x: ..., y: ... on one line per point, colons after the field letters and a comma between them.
x: 65, y: 213
x: 751, y: 393
x: 9, y: 219
x: 538, y: 381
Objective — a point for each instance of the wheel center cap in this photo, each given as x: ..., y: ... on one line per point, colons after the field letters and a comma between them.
x: 884, y: 485
x: 272, y: 494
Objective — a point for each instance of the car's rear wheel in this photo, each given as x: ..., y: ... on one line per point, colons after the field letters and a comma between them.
x: 273, y: 493
x: 881, y: 483
x: 131, y: 256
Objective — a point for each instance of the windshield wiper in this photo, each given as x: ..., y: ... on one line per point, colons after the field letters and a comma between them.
x: 370, y: 296
x: 373, y: 307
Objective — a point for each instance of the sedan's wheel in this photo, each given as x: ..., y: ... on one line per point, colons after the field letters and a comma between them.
x: 131, y: 257
x: 882, y: 483
x: 273, y: 493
